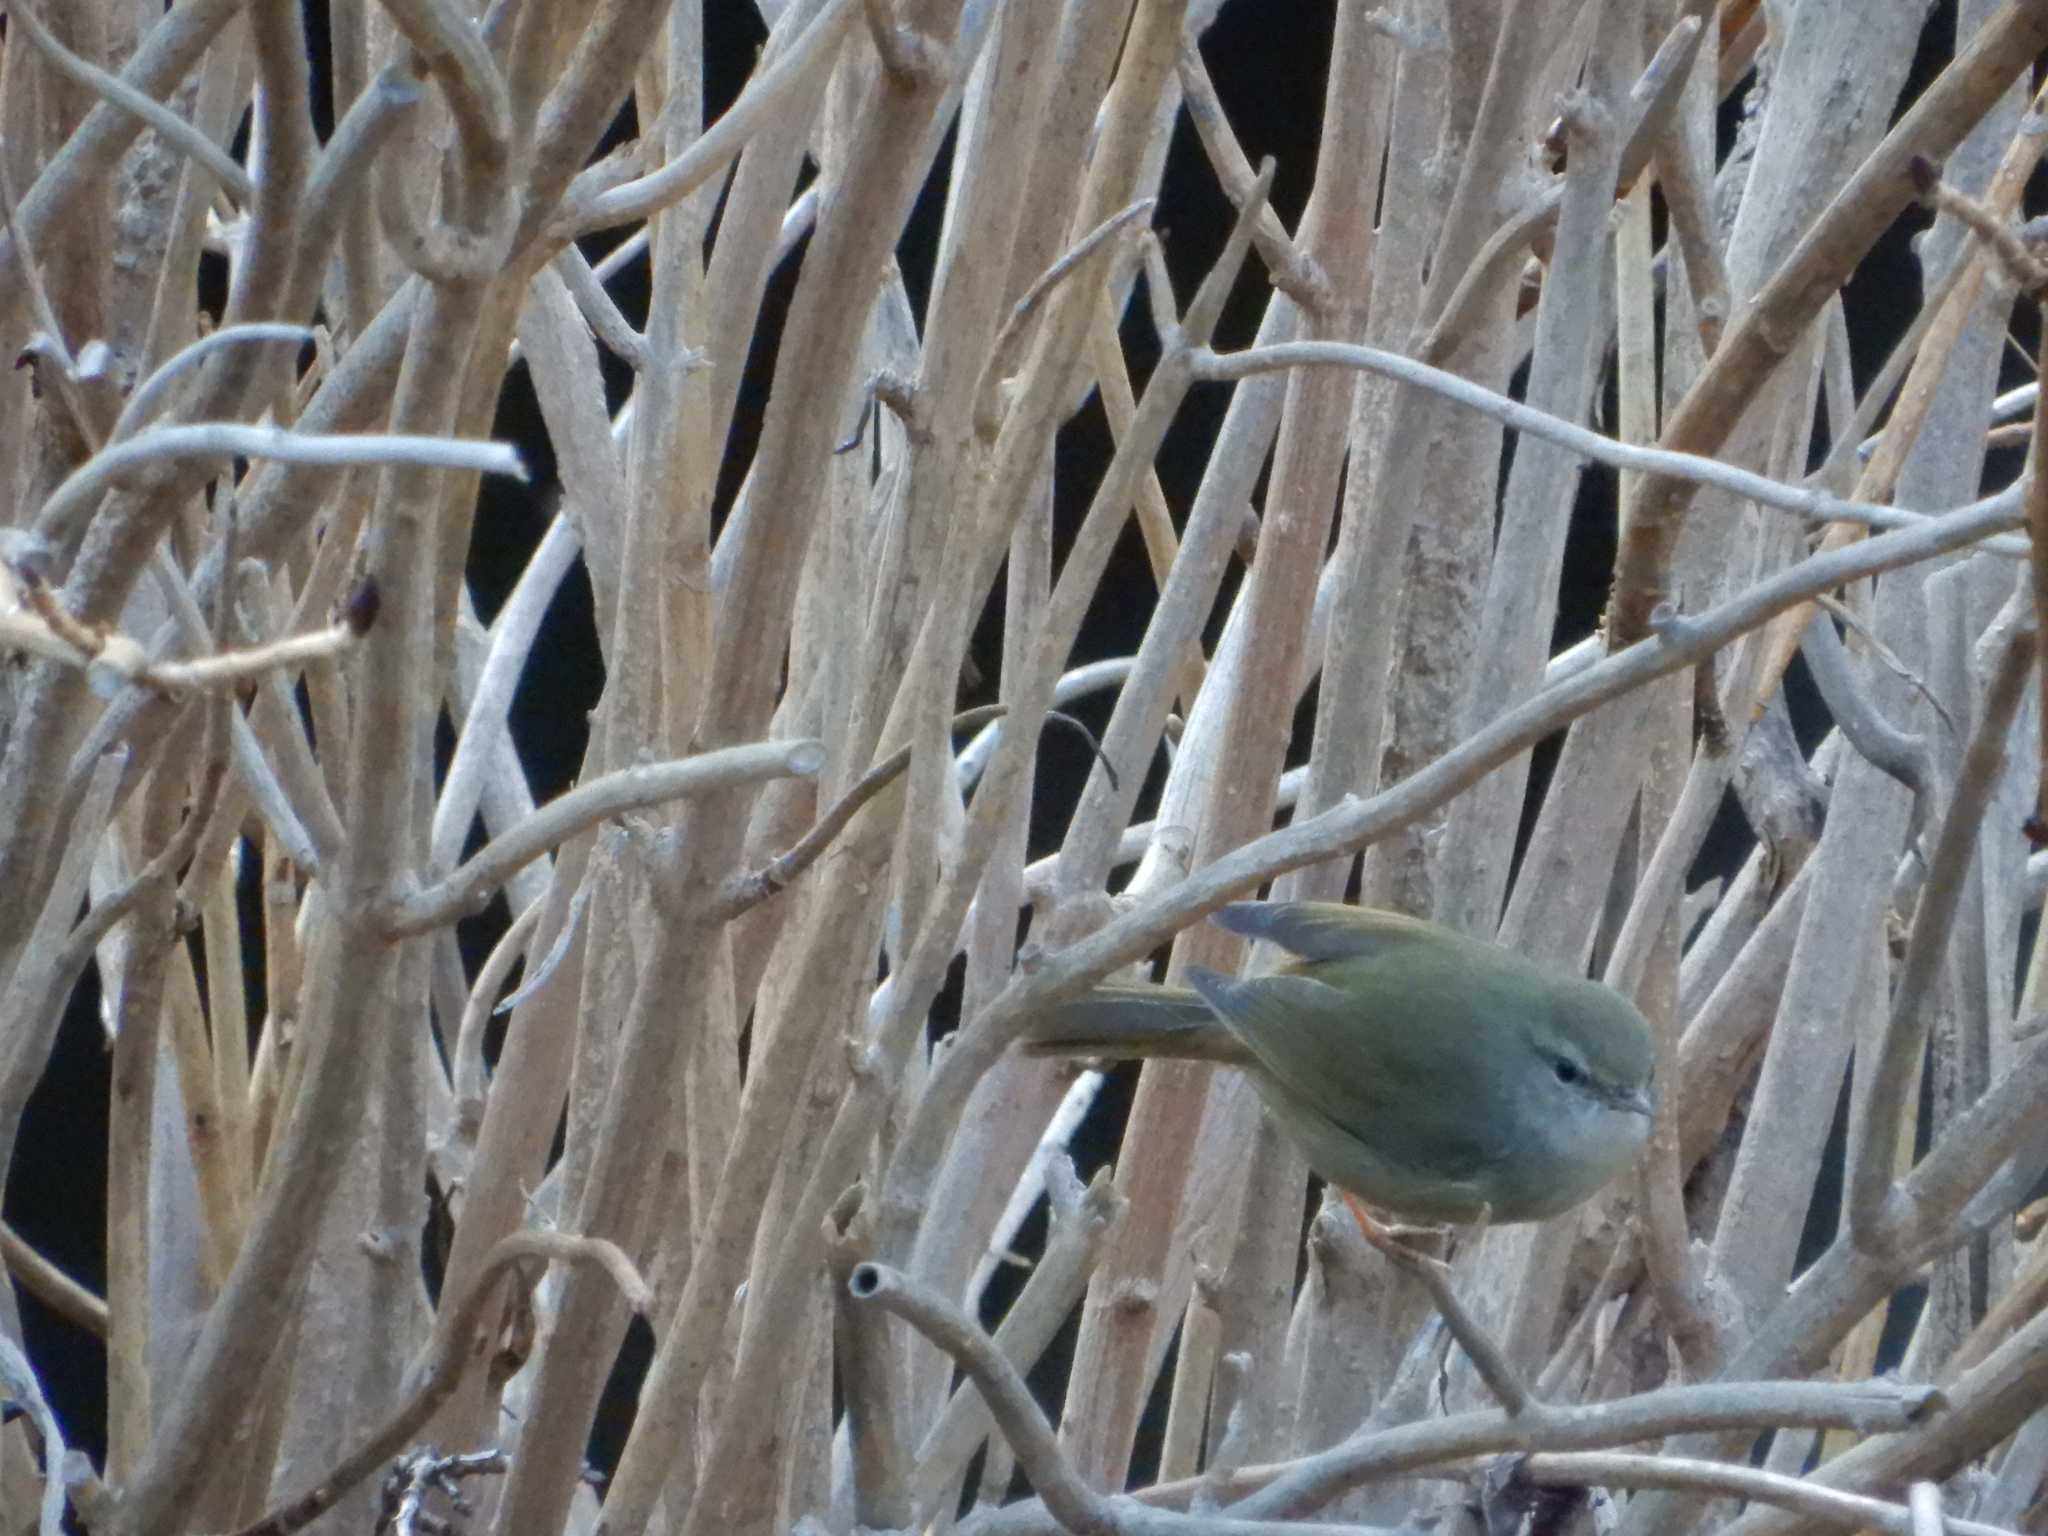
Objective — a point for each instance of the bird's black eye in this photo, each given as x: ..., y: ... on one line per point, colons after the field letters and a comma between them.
x: 1567, y: 1071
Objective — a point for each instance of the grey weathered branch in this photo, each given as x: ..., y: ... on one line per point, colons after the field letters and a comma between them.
x: 788, y: 72
x: 1807, y: 502
x: 1872, y: 1212
x: 1984, y: 1405
x: 1652, y: 100
x: 1291, y: 1488
x: 1075, y: 1505
x: 1570, y: 1469
x: 1898, y: 753
x: 1485, y: 1353
x: 444, y: 1371
x: 56, y: 1290
x: 628, y: 789
x: 1082, y: 1224
x: 222, y: 440
x: 152, y: 394
x: 118, y: 93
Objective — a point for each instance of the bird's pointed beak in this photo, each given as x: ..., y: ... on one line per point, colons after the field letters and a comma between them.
x: 1642, y: 1100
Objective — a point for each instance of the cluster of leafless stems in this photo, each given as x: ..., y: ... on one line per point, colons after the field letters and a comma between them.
x: 234, y: 587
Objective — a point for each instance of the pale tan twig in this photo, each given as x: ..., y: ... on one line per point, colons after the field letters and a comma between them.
x: 1808, y: 502
x: 1082, y: 1222
x: 52, y: 337
x: 466, y: 1060
x: 588, y: 208
x: 223, y: 440
x: 41, y: 1278
x: 45, y: 627
x: 907, y: 54
x: 2021, y: 263
x: 1294, y: 272
x: 1002, y: 355
x: 1487, y: 1357
x: 2037, y: 565
x: 750, y: 890
x: 150, y: 395
x: 628, y: 789
x: 444, y: 1372
x: 1075, y: 1505
x: 1861, y: 210
x: 1274, y: 1491
x: 1653, y: 98
x: 1624, y: 1469
x: 118, y: 93
x: 1872, y: 1209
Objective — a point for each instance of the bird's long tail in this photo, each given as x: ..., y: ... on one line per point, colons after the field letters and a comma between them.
x: 1128, y: 1021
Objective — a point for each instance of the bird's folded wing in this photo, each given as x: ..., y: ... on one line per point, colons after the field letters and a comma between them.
x: 1327, y: 930
x: 1387, y: 1090
x: 1389, y: 1176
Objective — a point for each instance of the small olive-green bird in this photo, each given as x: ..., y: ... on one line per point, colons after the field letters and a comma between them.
x: 1435, y: 1076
